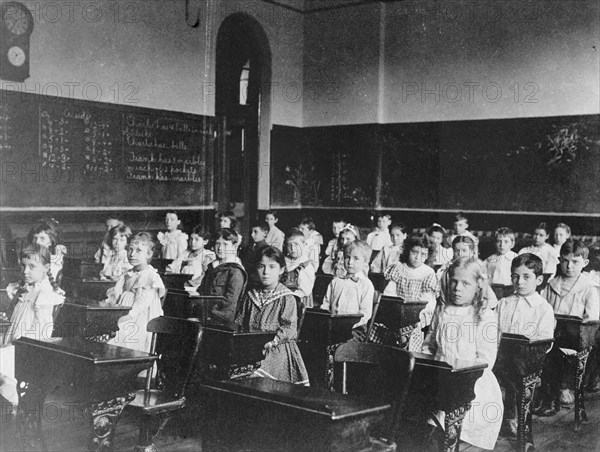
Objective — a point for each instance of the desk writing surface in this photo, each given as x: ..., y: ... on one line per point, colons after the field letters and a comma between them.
x: 320, y: 402
x: 454, y: 366
x: 523, y: 340
x: 88, y: 351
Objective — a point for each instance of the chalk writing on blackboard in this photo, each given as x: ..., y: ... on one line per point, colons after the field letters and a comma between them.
x: 70, y: 135
x: 55, y: 138
x: 163, y: 149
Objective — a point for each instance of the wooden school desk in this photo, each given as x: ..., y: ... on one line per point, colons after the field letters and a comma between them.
x: 439, y: 385
x: 88, y: 319
x: 575, y: 334
x: 320, y: 330
x: 520, y: 362
x: 265, y: 414
x: 229, y: 350
x: 102, y: 377
x: 175, y: 281
x: 394, y: 320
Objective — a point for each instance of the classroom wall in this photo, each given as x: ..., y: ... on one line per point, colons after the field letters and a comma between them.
x: 442, y: 61
x: 142, y: 52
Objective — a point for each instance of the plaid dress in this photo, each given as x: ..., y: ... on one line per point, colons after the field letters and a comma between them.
x: 276, y: 311
x: 414, y: 284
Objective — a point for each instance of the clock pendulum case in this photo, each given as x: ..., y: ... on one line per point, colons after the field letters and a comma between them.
x: 15, y: 31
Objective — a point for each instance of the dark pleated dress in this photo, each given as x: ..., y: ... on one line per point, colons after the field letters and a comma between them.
x: 276, y: 311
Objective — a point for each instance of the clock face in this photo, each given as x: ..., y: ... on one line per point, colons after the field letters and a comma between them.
x: 16, y: 56
x: 16, y: 19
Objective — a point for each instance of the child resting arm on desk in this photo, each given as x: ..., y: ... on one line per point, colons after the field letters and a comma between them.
x: 32, y: 303
x: 272, y: 306
x: 141, y: 288
x: 466, y: 329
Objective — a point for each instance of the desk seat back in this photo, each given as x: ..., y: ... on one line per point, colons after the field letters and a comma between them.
x: 177, y: 343
x: 379, y: 372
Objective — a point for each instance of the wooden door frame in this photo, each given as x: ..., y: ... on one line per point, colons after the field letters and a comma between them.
x: 232, y: 27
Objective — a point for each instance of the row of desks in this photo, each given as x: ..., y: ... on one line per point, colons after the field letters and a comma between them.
x: 231, y: 349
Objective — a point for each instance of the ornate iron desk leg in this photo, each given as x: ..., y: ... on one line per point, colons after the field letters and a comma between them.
x: 580, y: 414
x: 452, y: 427
x: 105, y: 416
x: 525, y: 396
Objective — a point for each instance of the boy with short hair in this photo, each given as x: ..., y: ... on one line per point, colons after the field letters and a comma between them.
x: 353, y: 293
x: 252, y: 251
x: 498, y: 265
x: 571, y: 293
x: 314, y: 240
x: 275, y: 236
x: 461, y: 226
x: 299, y: 276
x: 380, y: 237
x: 525, y: 313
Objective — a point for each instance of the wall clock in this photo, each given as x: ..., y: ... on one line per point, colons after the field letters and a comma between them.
x: 15, y: 30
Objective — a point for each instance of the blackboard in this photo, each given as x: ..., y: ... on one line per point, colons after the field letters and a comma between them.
x: 547, y: 164
x: 60, y: 152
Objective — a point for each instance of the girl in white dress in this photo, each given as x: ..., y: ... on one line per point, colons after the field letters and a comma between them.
x: 466, y: 329
x: 116, y: 262
x: 140, y: 288
x: 174, y: 241
x: 32, y: 304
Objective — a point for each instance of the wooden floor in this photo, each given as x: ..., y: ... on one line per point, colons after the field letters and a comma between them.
x: 66, y: 430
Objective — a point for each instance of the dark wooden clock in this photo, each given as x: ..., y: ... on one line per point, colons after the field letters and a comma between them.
x: 15, y: 31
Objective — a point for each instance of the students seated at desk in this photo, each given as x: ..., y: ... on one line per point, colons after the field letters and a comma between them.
x: 562, y: 233
x: 572, y: 293
x: 412, y: 280
x: 390, y: 254
x: 272, y: 306
x: 380, y: 237
x: 46, y: 234
x: 275, y: 236
x: 251, y: 252
x: 498, y: 265
x: 33, y: 299
x: 524, y: 313
x: 173, y: 242
x: 115, y: 261
x: 353, y: 293
x: 141, y: 288
x: 463, y: 246
x: 465, y: 328
x: 299, y: 275
x: 225, y: 276
x: 331, y: 251
x: 543, y: 250
x: 103, y: 252
x: 461, y: 227
x: 314, y: 240
x: 440, y: 253
x: 196, y: 259
x: 228, y: 220
x: 334, y: 264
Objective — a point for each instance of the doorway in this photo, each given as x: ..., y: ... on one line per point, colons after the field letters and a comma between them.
x: 242, y: 110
